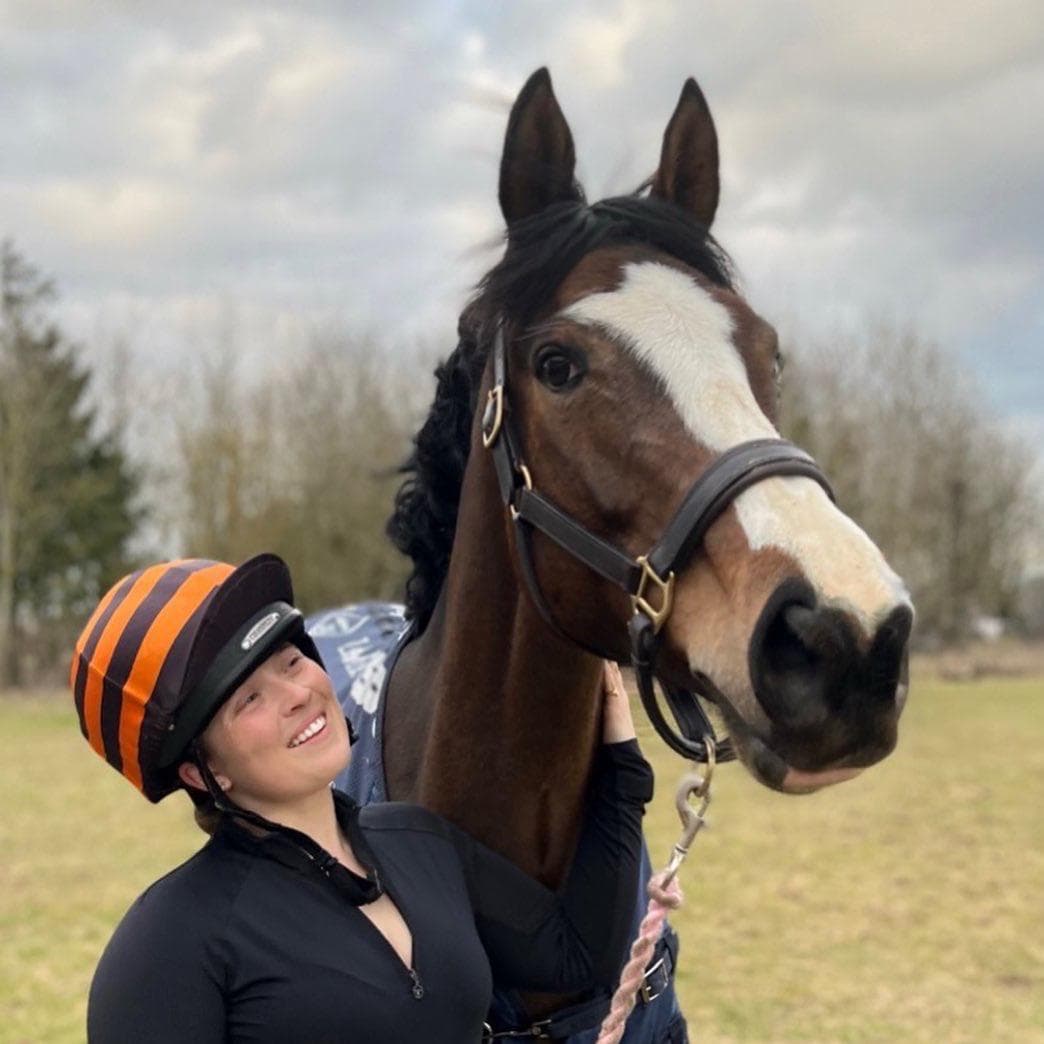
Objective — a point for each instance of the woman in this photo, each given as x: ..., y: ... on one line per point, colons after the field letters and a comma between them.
x: 306, y: 918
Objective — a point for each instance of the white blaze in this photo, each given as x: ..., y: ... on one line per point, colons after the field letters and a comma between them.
x: 684, y: 336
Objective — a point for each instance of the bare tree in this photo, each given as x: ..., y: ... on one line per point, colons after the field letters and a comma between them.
x: 300, y: 462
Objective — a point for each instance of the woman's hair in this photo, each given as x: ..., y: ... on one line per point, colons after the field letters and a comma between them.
x: 204, y: 811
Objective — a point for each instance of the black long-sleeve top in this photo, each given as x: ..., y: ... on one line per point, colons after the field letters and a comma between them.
x: 251, y: 941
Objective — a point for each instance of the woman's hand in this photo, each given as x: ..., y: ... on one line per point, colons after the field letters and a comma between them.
x: 617, y: 724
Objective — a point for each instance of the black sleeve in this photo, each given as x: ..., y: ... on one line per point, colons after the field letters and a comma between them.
x: 573, y: 939
x: 155, y: 981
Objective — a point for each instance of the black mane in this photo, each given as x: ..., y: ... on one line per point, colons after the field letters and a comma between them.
x: 541, y: 251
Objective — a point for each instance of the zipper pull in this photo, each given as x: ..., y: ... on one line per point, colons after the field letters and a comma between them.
x: 417, y: 989
x: 325, y: 862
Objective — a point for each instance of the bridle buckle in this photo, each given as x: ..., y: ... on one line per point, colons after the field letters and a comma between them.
x: 641, y: 603
x: 493, y: 417
x: 649, y: 992
x: 527, y: 483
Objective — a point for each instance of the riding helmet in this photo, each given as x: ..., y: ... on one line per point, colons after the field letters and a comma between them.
x: 164, y: 649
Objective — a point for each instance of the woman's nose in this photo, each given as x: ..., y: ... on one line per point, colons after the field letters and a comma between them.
x: 294, y: 695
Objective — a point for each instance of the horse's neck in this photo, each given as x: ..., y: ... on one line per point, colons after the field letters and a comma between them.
x: 493, y: 721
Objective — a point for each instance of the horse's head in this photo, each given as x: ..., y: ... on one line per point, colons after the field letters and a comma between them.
x: 634, y: 363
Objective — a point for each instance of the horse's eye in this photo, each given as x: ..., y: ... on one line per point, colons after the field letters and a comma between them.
x: 558, y: 369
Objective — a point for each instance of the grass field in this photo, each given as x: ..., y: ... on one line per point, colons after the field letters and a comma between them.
x: 907, y: 905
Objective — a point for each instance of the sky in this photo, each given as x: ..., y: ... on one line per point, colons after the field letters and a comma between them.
x: 184, y: 170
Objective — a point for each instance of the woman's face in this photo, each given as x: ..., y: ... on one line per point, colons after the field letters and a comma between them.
x: 281, y: 736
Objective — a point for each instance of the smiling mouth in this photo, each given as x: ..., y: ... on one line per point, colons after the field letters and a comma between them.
x: 310, y: 731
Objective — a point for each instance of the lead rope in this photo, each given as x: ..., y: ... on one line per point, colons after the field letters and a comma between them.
x: 665, y: 894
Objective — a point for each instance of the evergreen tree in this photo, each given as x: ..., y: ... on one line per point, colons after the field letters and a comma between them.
x: 67, y: 492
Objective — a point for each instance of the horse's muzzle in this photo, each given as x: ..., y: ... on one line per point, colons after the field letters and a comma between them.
x: 832, y: 695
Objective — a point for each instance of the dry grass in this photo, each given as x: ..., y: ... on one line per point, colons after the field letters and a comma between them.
x: 904, y: 906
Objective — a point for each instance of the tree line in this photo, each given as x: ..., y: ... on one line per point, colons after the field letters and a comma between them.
x: 917, y: 460
x: 68, y: 494
x: 301, y: 459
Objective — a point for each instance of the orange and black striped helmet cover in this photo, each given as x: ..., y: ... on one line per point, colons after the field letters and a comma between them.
x: 129, y: 666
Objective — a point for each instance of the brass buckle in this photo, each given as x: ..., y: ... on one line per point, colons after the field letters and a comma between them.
x: 537, y: 1031
x: 648, y: 993
x: 527, y: 481
x: 666, y: 588
x: 494, y: 406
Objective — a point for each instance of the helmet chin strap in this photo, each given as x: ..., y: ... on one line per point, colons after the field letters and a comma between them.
x: 360, y: 890
x: 221, y: 801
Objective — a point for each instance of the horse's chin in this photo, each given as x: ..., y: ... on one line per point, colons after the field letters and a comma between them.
x: 769, y: 768
x: 767, y: 765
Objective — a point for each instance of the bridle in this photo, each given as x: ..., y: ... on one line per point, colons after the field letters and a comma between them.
x: 649, y: 578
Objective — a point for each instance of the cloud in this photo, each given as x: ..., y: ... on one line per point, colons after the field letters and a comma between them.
x: 278, y: 161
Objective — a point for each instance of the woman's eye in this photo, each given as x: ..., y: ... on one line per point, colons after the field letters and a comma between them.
x: 777, y: 367
x: 247, y: 699
x: 557, y: 369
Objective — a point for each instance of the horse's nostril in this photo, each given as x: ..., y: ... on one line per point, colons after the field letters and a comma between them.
x: 821, y: 633
x: 894, y: 634
x: 799, y: 662
x: 888, y: 660
x: 808, y: 666
x: 786, y: 641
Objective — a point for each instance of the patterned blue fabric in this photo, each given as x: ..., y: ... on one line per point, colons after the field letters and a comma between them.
x: 359, y: 645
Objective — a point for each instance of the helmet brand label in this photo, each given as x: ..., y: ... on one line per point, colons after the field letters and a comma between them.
x: 259, y: 630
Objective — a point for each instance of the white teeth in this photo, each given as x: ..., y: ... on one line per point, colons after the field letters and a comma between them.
x: 308, y: 731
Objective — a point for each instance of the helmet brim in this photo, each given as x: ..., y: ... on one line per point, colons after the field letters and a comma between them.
x: 249, y: 617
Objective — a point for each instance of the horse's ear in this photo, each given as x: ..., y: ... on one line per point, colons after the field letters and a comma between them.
x: 537, y: 167
x: 688, y: 173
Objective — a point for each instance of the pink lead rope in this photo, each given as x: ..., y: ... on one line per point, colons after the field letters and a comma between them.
x: 664, y: 894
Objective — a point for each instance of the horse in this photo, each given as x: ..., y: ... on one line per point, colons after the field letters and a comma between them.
x: 613, y: 345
